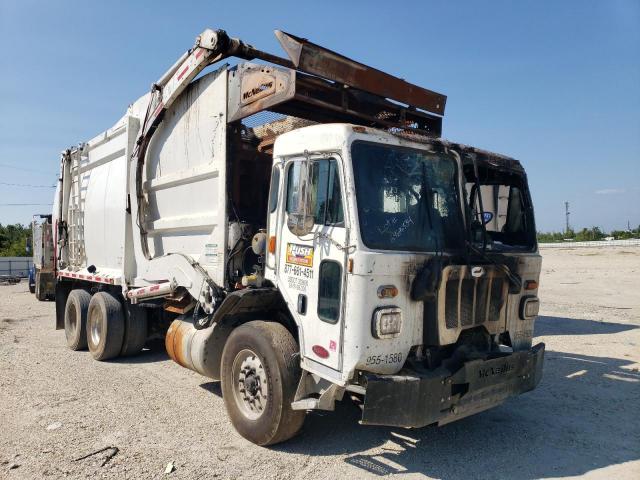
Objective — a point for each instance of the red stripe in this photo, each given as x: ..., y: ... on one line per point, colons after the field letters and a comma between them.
x: 184, y: 70
x: 158, y: 108
x: 154, y: 288
x: 200, y: 52
x: 98, y: 279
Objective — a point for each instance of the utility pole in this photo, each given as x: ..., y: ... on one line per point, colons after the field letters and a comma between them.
x: 566, y: 212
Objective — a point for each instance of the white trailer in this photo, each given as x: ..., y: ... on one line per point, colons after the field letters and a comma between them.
x: 299, y: 230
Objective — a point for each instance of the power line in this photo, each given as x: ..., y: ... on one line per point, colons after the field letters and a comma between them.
x: 27, y: 185
x: 23, y: 204
x: 6, y: 165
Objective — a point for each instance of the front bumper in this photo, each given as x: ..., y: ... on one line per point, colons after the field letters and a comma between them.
x: 418, y: 399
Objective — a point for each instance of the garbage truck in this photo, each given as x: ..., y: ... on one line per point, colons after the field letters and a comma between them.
x: 42, y: 277
x: 297, y: 228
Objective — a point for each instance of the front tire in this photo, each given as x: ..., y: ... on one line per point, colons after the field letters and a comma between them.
x: 260, y: 374
x: 105, y: 326
x: 75, y: 319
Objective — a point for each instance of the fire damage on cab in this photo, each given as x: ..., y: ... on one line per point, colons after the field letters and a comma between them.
x: 466, y: 364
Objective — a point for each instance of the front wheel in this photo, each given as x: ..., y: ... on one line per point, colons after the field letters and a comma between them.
x: 260, y: 374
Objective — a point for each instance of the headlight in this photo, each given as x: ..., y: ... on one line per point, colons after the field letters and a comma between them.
x: 529, y: 307
x: 387, y: 322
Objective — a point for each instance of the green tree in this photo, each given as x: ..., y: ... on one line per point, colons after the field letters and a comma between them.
x: 13, y: 240
x: 590, y: 234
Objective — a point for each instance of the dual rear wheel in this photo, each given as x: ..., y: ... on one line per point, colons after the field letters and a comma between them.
x: 101, y: 323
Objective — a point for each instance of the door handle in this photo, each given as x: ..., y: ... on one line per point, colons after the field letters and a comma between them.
x: 302, y: 304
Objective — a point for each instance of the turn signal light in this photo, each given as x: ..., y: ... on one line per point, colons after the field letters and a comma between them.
x: 272, y: 244
x: 387, y: 291
x: 530, y: 285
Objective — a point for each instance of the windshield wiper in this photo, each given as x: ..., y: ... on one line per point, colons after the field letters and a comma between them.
x: 514, y: 278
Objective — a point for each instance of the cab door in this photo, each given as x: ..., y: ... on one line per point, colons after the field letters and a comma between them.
x: 311, y: 266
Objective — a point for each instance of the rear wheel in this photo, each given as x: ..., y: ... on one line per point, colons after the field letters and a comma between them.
x: 75, y: 319
x: 38, y: 287
x: 260, y: 374
x: 105, y: 326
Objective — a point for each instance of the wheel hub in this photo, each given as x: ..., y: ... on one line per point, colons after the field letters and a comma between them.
x: 95, y: 328
x: 250, y: 381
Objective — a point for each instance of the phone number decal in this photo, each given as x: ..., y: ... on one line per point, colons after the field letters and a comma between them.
x: 300, y: 284
x: 298, y: 271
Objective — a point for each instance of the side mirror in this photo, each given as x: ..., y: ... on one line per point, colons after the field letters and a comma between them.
x: 300, y: 224
x: 301, y: 220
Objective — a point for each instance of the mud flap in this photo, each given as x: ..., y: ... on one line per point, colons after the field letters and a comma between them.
x: 62, y: 293
x: 417, y: 400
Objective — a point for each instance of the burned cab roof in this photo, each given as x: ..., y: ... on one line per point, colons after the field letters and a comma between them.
x: 466, y: 152
x: 486, y: 158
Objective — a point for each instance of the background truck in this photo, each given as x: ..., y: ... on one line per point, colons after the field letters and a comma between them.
x: 299, y: 230
x: 42, y: 277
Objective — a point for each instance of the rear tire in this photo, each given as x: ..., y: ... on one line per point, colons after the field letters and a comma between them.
x: 260, y: 375
x: 75, y: 319
x: 38, y: 287
x: 105, y: 326
x: 135, y: 332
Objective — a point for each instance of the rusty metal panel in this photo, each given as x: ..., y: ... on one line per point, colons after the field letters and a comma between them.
x: 254, y: 87
x: 316, y: 60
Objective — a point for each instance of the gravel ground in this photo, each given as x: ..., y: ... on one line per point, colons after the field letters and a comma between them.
x: 583, y: 420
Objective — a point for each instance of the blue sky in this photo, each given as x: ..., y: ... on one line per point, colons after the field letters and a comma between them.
x: 554, y: 84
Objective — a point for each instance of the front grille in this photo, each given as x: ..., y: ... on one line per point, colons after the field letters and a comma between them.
x: 466, y: 301
x: 473, y: 301
x: 482, y: 294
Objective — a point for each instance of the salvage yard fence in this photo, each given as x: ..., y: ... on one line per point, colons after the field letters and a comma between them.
x: 15, y: 266
x: 633, y: 242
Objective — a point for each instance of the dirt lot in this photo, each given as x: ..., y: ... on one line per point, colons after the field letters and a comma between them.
x: 584, y: 420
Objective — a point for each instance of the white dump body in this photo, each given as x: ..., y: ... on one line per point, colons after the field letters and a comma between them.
x: 42, y: 244
x: 184, y: 185
x: 36, y: 235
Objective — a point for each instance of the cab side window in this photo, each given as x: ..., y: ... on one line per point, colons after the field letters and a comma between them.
x: 329, y: 291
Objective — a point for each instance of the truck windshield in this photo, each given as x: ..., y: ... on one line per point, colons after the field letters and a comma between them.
x: 407, y: 198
